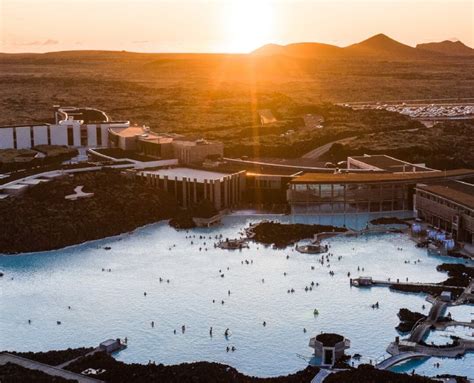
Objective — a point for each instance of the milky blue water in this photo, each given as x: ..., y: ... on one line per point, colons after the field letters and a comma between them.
x: 112, y: 304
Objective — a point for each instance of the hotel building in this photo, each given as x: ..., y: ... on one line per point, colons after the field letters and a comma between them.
x: 448, y: 206
x: 74, y: 127
x: 374, y: 192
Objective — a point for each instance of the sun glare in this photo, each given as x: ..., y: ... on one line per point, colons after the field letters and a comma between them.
x: 248, y: 24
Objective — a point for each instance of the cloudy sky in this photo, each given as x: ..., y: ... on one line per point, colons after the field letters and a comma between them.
x: 224, y: 25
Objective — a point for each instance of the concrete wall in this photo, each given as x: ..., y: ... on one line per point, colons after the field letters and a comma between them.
x: 28, y: 136
x: 40, y: 135
x: 23, y: 137
x: 91, y: 135
x: 105, y: 135
x: 6, y: 138
x: 58, y: 135
x: 223, y: 193
x: 196, y: 153
x: 76, y: 135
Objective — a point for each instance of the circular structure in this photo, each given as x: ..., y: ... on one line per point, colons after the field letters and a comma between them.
x: 329, y: 339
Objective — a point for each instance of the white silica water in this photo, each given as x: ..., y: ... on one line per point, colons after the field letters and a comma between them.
x: 110, y: 304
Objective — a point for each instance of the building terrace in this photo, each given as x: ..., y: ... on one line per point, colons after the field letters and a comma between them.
x: 376, y: 177
x: 382, y: 162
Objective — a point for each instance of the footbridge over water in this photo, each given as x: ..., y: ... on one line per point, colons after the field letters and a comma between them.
x: 399, y: 358
x: 419, y: 330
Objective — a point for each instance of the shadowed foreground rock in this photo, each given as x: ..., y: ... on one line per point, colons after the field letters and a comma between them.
x: 43, y: 219
x: 368, y: 374
x: 199, y: 372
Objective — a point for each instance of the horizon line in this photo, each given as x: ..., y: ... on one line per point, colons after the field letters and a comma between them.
x: 228, y: 53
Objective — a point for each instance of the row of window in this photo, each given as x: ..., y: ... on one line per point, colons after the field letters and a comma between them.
x: 445, y: 202
x: 360, y: 207
x: 83, y: 136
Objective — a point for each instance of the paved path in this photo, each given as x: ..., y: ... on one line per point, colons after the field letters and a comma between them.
x: 418, y: 332
x: 319, y: 151
x: 395, y: 359
x: 47, y: 369
x: 321, y: 375
x: 65, y: 364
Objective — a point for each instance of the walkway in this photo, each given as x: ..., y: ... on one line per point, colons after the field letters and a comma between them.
x: 418, y: 332
x: 396, y: 359
x: 321, y: 375
x: 47, y: 369
x: 65, y: 364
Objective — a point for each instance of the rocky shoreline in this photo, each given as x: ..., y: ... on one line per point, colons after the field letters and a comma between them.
x: 196, y: 372
x: 282, y: 235
x: 408, y: 319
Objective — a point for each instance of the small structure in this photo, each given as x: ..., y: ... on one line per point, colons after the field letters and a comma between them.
x: 362, y: 282
x: 93, y: 371
x: 446, y: 296
x: 329, y: 347
x: 112, y: 345
x: 313, y: 121
x: 232, y: 244
x: 314, y: 248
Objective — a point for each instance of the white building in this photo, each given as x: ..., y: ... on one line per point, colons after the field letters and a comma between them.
x: 74, y: 127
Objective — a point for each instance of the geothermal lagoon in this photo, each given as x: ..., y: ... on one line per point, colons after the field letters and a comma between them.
x: 110, y: 304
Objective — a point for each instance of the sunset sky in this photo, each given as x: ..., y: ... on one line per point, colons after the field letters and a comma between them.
x: 224, y: 25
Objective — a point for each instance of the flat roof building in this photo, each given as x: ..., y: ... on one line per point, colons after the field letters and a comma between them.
x: 165, y: 146
x: 74, y: 127
x: 449, y: 206
x: 374, y: 192
x: 384, y: 163
x: 191, y: 186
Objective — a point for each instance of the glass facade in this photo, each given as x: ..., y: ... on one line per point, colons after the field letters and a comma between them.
x: 322, y: 198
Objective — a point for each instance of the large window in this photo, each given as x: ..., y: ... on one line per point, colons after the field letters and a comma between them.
x: 386, y: 205
x: 98, y: 134
x: 338, y: 192
x: 325, y: 208
x: 70, y: 136
x: 314, y: 190
x: 83, y: 136
x: 301, y: 187
x: 326, y: 192
x: 374, y: 206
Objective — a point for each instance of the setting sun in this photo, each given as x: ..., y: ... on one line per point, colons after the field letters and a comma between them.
x: 248, y: 25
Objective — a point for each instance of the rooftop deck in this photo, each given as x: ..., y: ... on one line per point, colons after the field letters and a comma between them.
x: 330, y: 178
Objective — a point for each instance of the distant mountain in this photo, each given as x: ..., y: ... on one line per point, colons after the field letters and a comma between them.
x: 451, y: 48
x: 378, y: 47
x: 383, y: 47
x: 294, y: 56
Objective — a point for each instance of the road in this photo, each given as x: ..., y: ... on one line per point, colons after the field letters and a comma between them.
x: 318, y: 152
x: 47, y: 369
